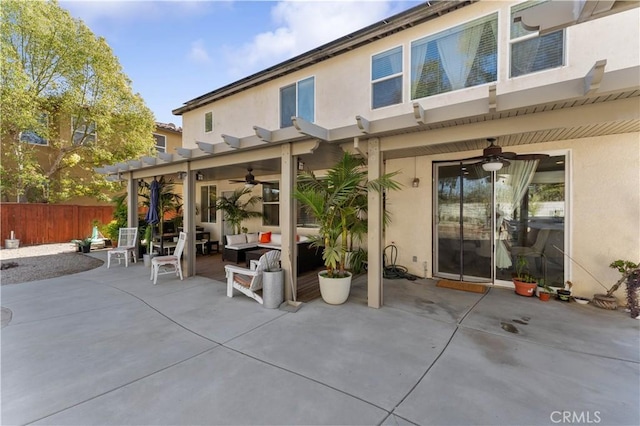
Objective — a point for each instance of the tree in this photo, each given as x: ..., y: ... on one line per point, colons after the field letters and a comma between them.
x: 62, y: 84
x: 234, y: 207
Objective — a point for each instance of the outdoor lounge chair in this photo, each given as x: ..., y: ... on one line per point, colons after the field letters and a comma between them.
x: 249, y: 281
x: 127, y: 238
x: 172, y: 260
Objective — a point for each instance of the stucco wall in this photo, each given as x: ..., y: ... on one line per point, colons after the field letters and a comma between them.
x: 343, y: 83
x: 603, y: 211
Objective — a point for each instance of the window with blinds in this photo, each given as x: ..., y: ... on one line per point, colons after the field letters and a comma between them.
x: 460, y: 57
x: 530, y: 52
x: 386, y: 78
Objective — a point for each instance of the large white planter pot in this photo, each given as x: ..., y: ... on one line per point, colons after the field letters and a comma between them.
x: 334, y: 291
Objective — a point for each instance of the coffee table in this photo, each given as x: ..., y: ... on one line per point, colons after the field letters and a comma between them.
x: 254, y: 255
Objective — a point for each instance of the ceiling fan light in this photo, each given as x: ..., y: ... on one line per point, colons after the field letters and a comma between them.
x: 492, y: 166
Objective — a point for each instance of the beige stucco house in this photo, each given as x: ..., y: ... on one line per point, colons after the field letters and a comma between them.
x: 422, y: 92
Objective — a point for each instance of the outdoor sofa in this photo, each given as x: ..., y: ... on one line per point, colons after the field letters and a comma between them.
x: 237, y: 245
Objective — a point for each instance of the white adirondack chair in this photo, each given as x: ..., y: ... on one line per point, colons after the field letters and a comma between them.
x: 249, y: 281
x: 172, y: 260
x: 127, y: 238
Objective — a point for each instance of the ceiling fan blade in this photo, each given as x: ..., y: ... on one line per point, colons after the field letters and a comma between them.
x: 531, y: 156
x: 509, y: 155
x: 237, y: 181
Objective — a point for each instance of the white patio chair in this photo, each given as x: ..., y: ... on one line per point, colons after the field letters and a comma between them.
x: 249, y: 281
x: 127, y: 238
x: 169, y: 261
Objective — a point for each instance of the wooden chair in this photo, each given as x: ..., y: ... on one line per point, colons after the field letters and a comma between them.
x: 249, y: 281
x: 169, y: 261
x: 127, y: 238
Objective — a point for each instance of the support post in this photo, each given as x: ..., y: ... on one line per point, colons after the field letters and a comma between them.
x: 374, y: 234
x: 189, y: 221
x: 288, y: 254
x: 132, y: 201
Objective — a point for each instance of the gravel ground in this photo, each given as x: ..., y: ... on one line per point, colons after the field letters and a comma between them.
x: 41, y: 262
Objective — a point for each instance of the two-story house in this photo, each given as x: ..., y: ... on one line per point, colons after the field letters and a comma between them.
x: 515, y: 126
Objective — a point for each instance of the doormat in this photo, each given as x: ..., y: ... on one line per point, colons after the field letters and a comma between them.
x: 461, y: 285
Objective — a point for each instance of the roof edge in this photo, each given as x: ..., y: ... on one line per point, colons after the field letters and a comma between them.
x: 396, y: 23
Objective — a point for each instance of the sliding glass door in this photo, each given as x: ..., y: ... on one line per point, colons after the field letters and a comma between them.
x: 485, y: 221
x: 463, y: 222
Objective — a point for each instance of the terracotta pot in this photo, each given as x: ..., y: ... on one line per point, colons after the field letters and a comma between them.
x: 525, y: 289
x: 544, y: 296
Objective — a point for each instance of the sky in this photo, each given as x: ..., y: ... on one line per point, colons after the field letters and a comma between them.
x: 175, y: 51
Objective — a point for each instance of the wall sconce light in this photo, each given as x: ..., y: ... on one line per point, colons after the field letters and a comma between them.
x: 182, y: 175
x: 416, y: 180
x: 199, y: 175
x: 300, y: 165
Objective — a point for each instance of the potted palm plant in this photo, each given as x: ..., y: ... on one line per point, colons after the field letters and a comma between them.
x: 235, y: 207
x: 334, y: 200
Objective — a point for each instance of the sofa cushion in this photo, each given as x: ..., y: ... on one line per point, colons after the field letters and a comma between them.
x: 276, y: 239
x: 265, y: 237
x: 253, y: 238
x: 242, y: 246
x: 233, y: 240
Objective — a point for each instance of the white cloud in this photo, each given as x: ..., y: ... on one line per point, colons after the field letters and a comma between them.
x: 302, y: 26
x: 198, y: 53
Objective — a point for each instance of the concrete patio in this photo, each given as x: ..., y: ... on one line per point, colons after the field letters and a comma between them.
x: 108, y: 347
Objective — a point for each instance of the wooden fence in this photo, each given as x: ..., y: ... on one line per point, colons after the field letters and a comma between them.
x: 49, y: 223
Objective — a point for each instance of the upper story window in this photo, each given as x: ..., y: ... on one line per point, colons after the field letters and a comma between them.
x: 463, y: 56
x: 161, y: 142
x: 33, y: 136
x: 530, y: 52
x: 271, y: 203
x: 386, y: 78
x: 84, y: 132
x: 297, y: 100
x: 208, y: 122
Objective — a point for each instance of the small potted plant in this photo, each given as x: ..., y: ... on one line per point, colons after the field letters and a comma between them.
x: 84, y: 245
x: 564, y: 294
x: 544, y: 291
x: 524, y: 282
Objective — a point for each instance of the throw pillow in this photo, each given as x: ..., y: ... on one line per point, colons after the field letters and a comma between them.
x: 265, y: 237
x: 252, y: 238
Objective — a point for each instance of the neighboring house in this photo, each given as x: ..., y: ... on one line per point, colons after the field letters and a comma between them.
x: 168, y: 137
x: 421, y: 92
x: 63, y: 128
